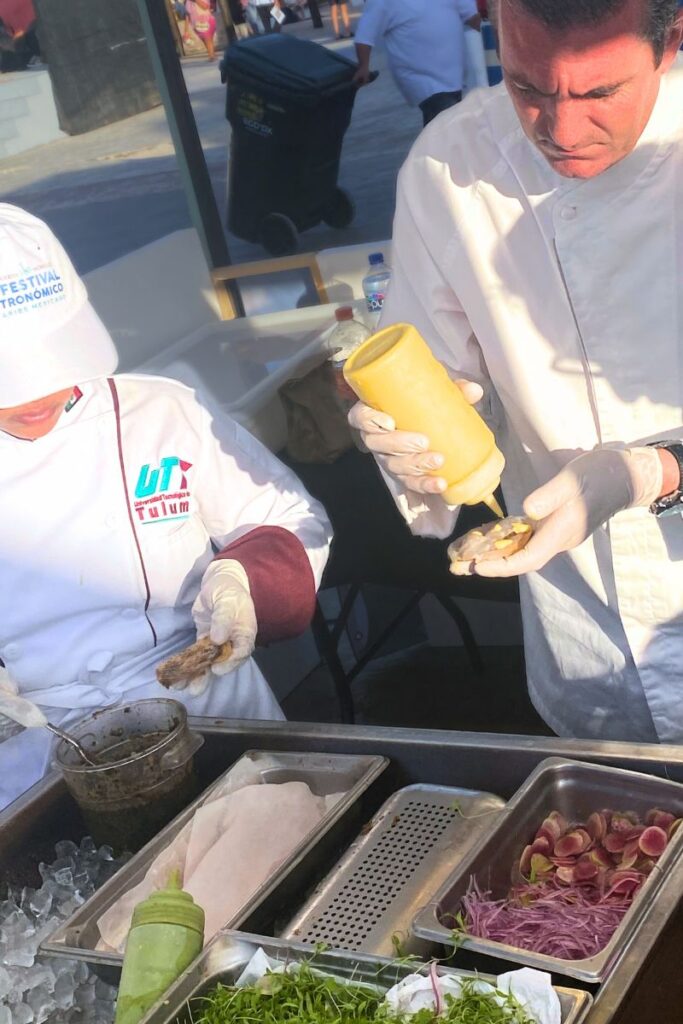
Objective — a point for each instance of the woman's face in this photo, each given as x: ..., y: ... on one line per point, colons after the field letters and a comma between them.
x: 34, y: 419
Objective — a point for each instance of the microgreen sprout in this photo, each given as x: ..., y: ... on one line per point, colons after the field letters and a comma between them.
x: 309, y: 996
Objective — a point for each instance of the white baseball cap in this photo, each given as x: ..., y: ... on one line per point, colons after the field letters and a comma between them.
x: 50, y: 335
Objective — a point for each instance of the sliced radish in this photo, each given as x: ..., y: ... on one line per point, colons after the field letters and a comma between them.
x: 653, y: 841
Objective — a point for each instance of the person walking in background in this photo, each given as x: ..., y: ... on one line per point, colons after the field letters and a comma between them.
x: 259, y: 17
x: 203, y: 23
x: 337, y: 8
x: 425, y: 44
x: 19, y: 47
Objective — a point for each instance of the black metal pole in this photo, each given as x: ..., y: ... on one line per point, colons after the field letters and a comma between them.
x: 188, y: 147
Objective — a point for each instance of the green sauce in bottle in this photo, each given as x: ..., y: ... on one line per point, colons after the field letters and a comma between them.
x: 166, y: 935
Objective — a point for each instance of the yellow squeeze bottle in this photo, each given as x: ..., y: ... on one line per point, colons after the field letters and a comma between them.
x: 395, y: 372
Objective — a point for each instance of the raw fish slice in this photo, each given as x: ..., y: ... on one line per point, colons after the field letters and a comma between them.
x: 262, y: 826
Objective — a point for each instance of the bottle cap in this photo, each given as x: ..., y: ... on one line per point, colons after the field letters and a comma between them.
x: 344, y: 313
x: 170, y: 906
x: 375, y: 257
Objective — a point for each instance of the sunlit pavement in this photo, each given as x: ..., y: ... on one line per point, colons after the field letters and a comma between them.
x: 117, y: 188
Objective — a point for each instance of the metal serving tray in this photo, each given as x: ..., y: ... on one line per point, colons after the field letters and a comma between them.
x: 350, y: 774
x: 368, y: 901
x: 575, y: 790
x: 227, y: 955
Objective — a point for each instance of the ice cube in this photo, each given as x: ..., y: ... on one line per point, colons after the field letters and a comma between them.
x: 17, y: 984
x: 5, y: 1014
x: 41, y: 1002
x: 7, y: 908
x: 71, y: 905
x: 63, y: 966
x: 88, y: 845
x: 82, y: 880
x: 65, y: 876
x: 5, y: 983
x: 103, y: 1012
x: 66, y: 848
x: 26, y: 896
x: 15, y: 935
x: 40, y: 974
x: 83, y: 974
x: 63, y: 994
x: 85, y: 996
x: 104, y: 991
x: 22, y: 1014
x: 41, y: 902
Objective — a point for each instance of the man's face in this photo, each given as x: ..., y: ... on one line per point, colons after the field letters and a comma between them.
x: 583, y: 95
x: 34, y: 419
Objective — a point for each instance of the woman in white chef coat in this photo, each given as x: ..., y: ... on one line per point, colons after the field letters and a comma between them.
x: 132, y: 518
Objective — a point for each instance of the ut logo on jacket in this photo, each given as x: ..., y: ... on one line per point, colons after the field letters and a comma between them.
x: 162, y: 492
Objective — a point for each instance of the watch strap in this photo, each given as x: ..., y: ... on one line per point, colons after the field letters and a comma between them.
x: 673, y: 501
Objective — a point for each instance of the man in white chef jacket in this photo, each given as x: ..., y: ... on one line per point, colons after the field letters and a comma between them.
x: 132, y: 519
x: 538, y: 246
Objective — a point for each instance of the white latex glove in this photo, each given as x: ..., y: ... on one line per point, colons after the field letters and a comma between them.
x: 224, y: 611
x: 403, y: 454
x: 569, y: 508
x: 25, y: 712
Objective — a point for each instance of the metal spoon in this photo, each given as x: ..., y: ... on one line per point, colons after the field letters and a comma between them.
x: 28, y: 714
x: 72, y: 743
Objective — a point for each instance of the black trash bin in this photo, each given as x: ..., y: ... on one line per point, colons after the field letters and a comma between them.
x: 289, y: 103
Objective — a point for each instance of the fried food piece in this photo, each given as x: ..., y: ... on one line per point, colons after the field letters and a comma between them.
x: 192, y: 662
x: 492, y: 540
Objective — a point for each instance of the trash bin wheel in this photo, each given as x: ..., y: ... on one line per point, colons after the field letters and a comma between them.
x: 340, y: 210
x: 279, y: 235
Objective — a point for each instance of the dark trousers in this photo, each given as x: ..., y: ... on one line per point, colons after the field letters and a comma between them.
x: 433, y: 105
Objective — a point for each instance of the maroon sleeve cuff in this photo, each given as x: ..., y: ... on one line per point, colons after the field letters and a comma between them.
x: 281, y: 580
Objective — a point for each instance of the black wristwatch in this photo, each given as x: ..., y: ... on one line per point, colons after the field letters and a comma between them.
x: 670, y: 502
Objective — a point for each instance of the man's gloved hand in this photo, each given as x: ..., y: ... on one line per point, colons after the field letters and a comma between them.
x: 224, y: 611
x: 569, y: 508
x: 401, y: 453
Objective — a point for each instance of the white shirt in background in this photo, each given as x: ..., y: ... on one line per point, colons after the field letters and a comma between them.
x: 424, y: 41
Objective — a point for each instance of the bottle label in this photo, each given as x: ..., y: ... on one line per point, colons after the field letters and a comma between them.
x: 375, y: 301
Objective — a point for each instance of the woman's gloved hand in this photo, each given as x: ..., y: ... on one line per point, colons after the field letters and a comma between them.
x: 224, y: 611
x: 589, y: 490
x: 401, y: 453
x: 16, y: 708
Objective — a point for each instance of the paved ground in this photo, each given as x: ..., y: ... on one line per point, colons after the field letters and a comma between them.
x: 118, y: 188
x: 427, y: 687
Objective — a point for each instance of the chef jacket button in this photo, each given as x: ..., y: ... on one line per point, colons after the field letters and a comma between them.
x: 130, y: 613
x: 11, y: 651
x: 99, y: 661
x: 568, y: 212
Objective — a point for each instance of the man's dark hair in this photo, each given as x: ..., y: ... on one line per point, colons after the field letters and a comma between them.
x: 659, y: 16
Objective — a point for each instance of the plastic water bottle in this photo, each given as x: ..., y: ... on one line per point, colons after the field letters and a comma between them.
x: 343, y: 340
x: 375, y: 284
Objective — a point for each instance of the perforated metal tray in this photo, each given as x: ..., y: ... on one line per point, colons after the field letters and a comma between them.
x: 415, y: 841
x: 227, y: 955
x: 576, y: 790
x: 349, y: 774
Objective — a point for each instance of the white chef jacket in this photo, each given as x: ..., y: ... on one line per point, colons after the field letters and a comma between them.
x: 424, y: 40
x: 106, y: 527
x: 564, y: 298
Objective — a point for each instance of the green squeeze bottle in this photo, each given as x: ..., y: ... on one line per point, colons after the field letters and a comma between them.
x: 166, y: 934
